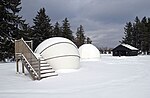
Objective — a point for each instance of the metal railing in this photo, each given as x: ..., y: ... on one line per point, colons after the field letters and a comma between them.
x: 32, y: 62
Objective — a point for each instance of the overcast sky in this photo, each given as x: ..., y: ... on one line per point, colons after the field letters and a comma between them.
x: 103, y: 20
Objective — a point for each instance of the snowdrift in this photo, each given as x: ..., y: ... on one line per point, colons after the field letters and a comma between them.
x: 111, y: 77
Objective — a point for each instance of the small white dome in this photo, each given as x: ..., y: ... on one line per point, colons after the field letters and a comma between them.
x: 60, y: 53
x: 89, y: 51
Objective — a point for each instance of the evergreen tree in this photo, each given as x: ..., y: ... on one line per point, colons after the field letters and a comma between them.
x: 27, y: 32
x: 128, y: 33
x: 66, y: 31
x: 88, y: 40
x: 57, y: 30
x: 42, y: 28
x: 144, y: 35
x: 148, y: 35
x: 10, y: 27
x: 138, y: 34
x: 80, y: 37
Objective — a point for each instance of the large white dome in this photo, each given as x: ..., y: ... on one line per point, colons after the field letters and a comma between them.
x: 89, y: 51
x: 60, y: 53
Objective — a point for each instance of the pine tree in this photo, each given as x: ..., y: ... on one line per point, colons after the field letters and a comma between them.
x: 137, y: 33
x: 57, y: 30
x: 148, y: 35
x: 128, y: 34
x: 144, y: 35
x: 80, y: 37
x: 88, y: 40
x: 42, y: 28
x: 10, y: 27
x: 66, y: 31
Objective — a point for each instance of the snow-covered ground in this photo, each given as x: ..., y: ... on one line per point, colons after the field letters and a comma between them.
x: 111, y: 77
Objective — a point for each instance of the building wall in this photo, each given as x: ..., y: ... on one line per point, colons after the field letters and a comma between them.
x: 123, y: 51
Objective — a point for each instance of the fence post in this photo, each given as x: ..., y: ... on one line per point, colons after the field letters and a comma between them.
x: 39, y: 72
x: 16, y: 56
x: 22, y: 64
x: 32, y: 45
x: 17, y: 66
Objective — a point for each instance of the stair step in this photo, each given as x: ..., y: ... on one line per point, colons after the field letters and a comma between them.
x: 34, y: 61
x: 46, y: 68
x: 47, y: 71
x: 44, y: 65
x: 43, y: 62
x: 48, y: 75
x: 43, y: 68
x: 41, y: 58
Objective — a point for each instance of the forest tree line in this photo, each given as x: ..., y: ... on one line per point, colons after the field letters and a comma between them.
x: 14, y: 27
x: 137, y: 34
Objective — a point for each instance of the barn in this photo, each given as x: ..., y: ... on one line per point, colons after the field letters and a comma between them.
x: 125, y: 50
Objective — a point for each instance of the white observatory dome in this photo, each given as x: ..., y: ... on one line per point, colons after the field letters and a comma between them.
x: 60, y: 53
x: 89, y: 51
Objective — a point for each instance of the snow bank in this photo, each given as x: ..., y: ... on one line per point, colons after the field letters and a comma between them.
x: 60, y: 53
x: 126, y: 77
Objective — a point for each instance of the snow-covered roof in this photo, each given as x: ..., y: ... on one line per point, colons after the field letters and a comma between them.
x: 129, y: 46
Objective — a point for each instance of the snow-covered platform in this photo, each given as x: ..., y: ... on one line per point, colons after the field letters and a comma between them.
x: 111, y: 77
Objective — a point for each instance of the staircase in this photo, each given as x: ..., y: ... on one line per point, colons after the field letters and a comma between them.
x: 45, y: 69
x: 35, y: 64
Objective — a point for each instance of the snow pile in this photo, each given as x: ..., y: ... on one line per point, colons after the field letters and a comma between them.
x: 60, y: 53
x: 112, y: 77
x: 89, y: 51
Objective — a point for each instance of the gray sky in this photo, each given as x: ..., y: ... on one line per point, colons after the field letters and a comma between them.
x: 103, y: 20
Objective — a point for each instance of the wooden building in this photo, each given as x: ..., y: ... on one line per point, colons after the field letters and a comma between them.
x: 125, y: 50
